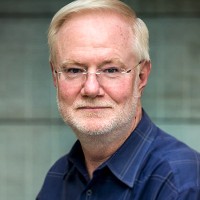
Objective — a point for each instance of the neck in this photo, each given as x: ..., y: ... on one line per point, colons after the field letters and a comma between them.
x: 99, y: 148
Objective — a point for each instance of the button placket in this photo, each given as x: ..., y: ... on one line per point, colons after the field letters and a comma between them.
x: 88, y: 194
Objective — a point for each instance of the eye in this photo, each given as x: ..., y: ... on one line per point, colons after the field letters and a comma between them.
x: 111, y: 70
x: 73, y: 70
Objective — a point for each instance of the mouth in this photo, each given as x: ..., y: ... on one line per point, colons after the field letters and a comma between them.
x: 93, y: 108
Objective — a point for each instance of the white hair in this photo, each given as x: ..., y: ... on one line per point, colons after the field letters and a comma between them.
x: 140, y: 31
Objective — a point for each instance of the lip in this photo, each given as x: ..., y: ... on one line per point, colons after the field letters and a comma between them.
x: 93, y: 108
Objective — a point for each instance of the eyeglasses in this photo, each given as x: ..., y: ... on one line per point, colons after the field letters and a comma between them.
x: 76, y: 74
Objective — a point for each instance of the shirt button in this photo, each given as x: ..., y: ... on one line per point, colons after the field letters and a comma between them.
x: 89, y: 192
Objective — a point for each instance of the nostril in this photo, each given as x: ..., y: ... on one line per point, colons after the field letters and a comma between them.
x: 91, y: 87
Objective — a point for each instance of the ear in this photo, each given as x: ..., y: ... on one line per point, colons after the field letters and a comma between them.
x: 144, y: 75
x: 53, y: 74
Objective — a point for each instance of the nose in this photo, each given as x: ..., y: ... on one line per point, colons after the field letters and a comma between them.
x: 91, y: 87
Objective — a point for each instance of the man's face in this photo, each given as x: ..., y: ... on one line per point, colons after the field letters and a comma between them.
x: 96, y: 106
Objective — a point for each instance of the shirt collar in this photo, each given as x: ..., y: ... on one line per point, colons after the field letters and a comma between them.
x: 133, y: 150
x: 126, y: 162
x: 76, y: 158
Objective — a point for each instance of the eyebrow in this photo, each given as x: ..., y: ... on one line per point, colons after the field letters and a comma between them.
x: 110, y: 61
x: 107, y: 61
x: 67, y: 62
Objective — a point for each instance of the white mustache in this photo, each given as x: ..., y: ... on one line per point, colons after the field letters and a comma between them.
x: 94, y: 104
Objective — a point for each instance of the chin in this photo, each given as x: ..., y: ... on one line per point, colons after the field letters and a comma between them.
x: 91, y: 128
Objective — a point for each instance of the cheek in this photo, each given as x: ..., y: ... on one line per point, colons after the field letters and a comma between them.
x: 67, y: 93
x: 121, y: 93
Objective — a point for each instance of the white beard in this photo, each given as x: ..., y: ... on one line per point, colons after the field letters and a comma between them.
x: 94, y: 124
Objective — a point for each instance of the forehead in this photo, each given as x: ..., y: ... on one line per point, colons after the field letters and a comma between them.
x: 95, y: 27
x: 94, y: 32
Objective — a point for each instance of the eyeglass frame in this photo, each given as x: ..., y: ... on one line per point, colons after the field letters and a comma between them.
x: 99, y: 72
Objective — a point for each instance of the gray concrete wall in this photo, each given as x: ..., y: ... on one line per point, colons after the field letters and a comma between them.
x: 32, y: 135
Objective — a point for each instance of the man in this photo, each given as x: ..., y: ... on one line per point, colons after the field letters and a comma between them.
x: 100, y: 64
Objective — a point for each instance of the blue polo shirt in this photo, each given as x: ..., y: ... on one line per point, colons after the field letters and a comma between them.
x: 150, y: 165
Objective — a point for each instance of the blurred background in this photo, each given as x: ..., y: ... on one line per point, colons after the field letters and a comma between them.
x: 32, y: 135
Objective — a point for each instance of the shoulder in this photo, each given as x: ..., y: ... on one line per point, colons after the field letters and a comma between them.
x: 173, y: 151
x: 60, y: 167
x: 173, y: 164
x: 52, y: 185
